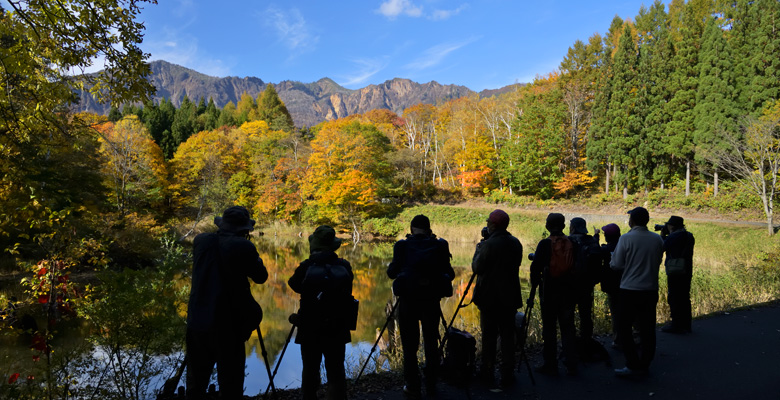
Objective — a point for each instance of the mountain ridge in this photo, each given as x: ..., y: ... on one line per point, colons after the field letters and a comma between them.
x: 308, y: 103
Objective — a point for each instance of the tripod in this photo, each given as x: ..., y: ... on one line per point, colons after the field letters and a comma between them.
x: 379, y: 337
x: 452, y: 320
x: 265, y: 358
x: 292, y: 318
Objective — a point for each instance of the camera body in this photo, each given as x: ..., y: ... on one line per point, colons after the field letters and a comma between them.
x: 484, y: 233
x: 659, y: 227
x: 531, y: 256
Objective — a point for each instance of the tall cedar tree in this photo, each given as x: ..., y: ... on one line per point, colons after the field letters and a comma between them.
x: 715, y: 111
x: 272, y: 110
x: 625, y: 141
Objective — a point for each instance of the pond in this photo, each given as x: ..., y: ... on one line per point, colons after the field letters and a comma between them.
x: 371, y: 286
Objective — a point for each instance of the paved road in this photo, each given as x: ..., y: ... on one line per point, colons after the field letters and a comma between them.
x: 728, y: 356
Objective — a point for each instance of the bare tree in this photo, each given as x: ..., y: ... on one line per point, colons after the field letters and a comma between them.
x: 754, y: 159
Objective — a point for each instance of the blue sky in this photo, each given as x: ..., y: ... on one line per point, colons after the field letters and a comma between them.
x: 481, y: 44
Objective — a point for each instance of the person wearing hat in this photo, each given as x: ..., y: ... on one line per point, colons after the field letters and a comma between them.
x: 556, y: 294
x: 496, y: 263
x: 324, y: 282
x: 638, y: 254
x: 678, y: 245
x: 610, y: 278
x: 221, y: 312
x: 422, y: 276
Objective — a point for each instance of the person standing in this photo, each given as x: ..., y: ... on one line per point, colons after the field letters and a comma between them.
x: 423, y: 275
x: 221, y: 312
x: 497, y: 294
x: 552, y: 270
x: 678, y: 245
x: 587, y: 260
x: 324, y: 282
x: 638, y: 254
x: 610, y: 278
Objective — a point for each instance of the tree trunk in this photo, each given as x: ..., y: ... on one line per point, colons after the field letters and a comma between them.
x: 687, y: 178
x: 715, y: 184
x: 606, y: 186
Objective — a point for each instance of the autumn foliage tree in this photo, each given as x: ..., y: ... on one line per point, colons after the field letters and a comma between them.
x: 348, y: 173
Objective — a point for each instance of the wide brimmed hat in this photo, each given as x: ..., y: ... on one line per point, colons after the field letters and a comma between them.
x: 235, y: 219
x: 555, y: 220
x: 323, y: 239
x: 676, y: 221
x: 578, y: 225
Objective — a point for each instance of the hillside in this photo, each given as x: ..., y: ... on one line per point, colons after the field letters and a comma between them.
x: 308, y: 103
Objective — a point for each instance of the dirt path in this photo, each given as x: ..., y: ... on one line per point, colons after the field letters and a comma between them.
x: 732, y: 355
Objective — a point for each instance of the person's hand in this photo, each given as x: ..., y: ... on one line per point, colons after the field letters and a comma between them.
x: 596, y: 231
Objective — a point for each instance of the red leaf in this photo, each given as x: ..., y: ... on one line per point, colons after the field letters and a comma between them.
x: 13, y: 378
x: 42, y: 271
x: 43, y: 299
x: 36, y: 358
x: 30, y: 377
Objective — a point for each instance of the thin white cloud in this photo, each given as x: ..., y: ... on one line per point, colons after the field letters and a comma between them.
x: 366, y: 68
x: 393, y: 8
x: 436, y: 54
x: 291, y: 29
x: 183, y: 50
x: 439, y: 15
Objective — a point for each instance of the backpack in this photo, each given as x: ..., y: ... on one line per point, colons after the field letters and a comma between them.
x: 459, y: 356
x: 561, y: 256
x: 422, y: 275
x: 588, y: 259
x: 331, y: 287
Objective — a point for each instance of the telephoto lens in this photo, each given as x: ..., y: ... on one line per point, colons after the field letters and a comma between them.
x: 531, y: 256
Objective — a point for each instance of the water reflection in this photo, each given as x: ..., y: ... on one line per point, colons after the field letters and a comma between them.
x: 371, y: 286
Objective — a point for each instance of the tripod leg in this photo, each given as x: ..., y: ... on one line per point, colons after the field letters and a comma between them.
x: 265, y: 358
x: 379, y: 337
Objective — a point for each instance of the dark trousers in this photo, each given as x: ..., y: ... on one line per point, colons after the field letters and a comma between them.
x: 495, y: 324
x: 613, y: 299
x: 312, y: 353
x: 637, y: 309
x: 557, y: 309
x: 412, y: 313
x: 584, y: 303
x: 679, y: 298
x: 204, y: 349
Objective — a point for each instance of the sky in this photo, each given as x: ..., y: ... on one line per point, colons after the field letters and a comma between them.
x: 480, y: 44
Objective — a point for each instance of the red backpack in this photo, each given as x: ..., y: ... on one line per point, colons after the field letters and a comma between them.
x: 561, y: 256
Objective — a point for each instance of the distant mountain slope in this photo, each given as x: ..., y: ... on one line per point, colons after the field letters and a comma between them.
x: 308, y: 103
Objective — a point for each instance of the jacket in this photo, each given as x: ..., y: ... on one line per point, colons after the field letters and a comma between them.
x: 638, y: 254
x: 220, y: 296
x: 679, y: 244
x: 421, y: 267
x: 496, y: 262
x: 321, y: 320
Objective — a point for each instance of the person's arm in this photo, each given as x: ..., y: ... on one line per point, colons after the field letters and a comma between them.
x: 446, y: 265
x: 395, y: 266
x: 296, y: 281
x: 540, y: 262
x: 250, y: 261
x: 479, y: 263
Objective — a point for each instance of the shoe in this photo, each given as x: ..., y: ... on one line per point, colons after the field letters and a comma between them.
x: 673, y: 329
x: 547, y: 369
x: 412, y: 393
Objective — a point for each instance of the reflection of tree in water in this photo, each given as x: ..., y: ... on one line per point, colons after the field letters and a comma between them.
x: 371, y: 286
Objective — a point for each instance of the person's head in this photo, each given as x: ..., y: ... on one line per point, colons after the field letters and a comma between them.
x: 611, y: 232
x: 420, y: 225
x: 556, y: 222
x: 578, y: 226
x: 498, y: 220
x: 235, y: 220
x: 675, y: 223
x: 324, y: 239
x: 638, y: 217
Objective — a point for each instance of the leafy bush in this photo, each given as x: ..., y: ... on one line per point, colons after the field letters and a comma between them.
x: 384, y: 227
